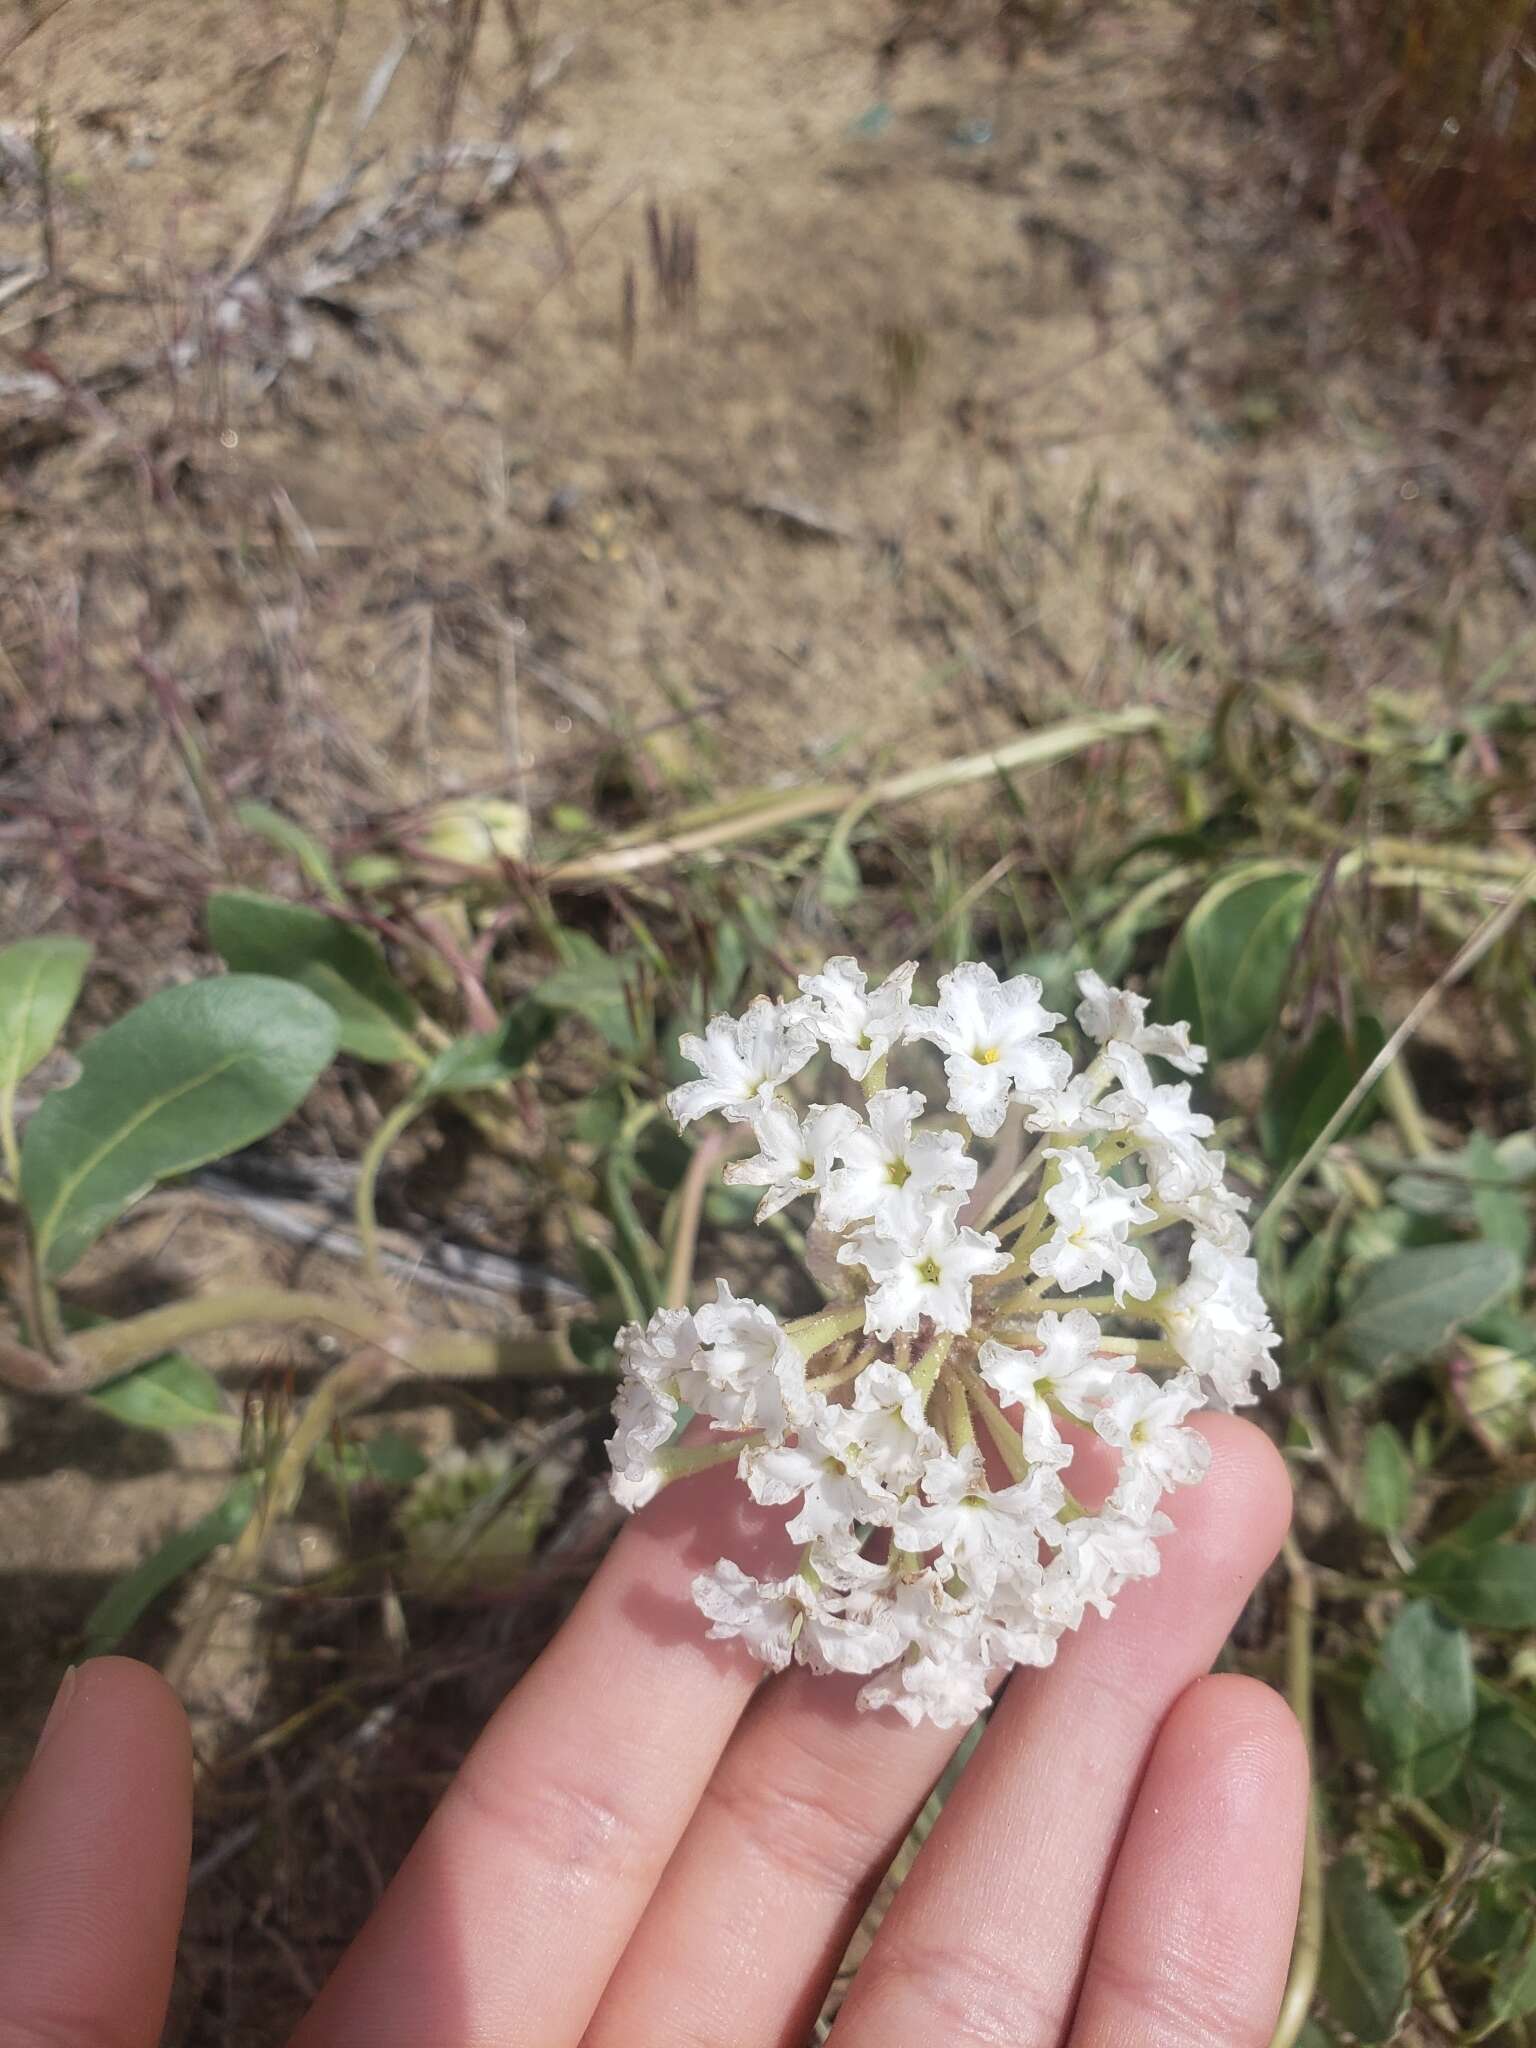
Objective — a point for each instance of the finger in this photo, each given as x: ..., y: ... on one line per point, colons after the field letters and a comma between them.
x: 1195, y: 1936
x: 988, y: 1937
x: 812, y: 1799
x: 510, y: 1912
x: 810, y: 1804
x: 93, y: 1864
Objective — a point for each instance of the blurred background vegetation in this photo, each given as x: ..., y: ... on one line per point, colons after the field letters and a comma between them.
x: 546, y: 519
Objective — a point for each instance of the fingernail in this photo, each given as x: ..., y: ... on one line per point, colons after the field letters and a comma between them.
x: 59, y: 1709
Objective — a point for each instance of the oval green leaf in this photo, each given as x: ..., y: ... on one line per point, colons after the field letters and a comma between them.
x: 1411, y: 1304
x: 1491, y: 1588
x: 1306, y: 1088
x: 596, y: 986
x: 1364, y: 1974
x: 1514, y: 1985
x: 487, y: 1057
x: 256, y: 934
x: 120, y: 1607
x: 1496, y: 1795
x: 1386, y: 1480
x: 314, y: 862
x: 1230, y: 961
x: 39, y: 982
x: 168, y: 1393
x: 1419, y: 1702
x: 192, y: 1074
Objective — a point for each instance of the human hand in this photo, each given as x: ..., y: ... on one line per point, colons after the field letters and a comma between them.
x: 646, y: 1847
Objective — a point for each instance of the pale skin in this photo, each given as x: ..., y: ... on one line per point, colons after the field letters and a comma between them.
x: 645, y: 1847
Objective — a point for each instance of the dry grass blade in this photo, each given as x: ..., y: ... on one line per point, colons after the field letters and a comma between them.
x: 1034, y: 750
x: 1487, y: 935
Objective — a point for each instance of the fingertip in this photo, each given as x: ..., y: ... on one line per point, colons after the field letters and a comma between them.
x: 122, y: 1686
x: 1242, y: 1739
x: 1244, y: 1501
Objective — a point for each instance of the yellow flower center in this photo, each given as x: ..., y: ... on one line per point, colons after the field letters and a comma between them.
x: 898, y: 1173
x: 988, y: 1056
x: 928, y: 1272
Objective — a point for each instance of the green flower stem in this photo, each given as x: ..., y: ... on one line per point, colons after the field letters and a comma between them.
x: 390, y: 1128
x: 814, y: 1333
x: 1145, y: 1350
x: 926, y: 1371
x: 1307, y: 1952
x: 959, y: 1424
x: 839, y: 1375
x: 1037, y: 1302
x: 690, y: 1211
x: 691, y: 1458
x: 1010, y: 1187
x: 1009, y: 1444
x: 92, y: 1356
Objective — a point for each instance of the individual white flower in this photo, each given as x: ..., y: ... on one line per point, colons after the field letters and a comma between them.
x: 1067, y: 1372
x: 1145, y: 1423
x: 853, y: 1626
x: 1079, y: 1108
x: 742, y: 1059
x: 889, y: 1173
x: 745, y: 1373
x: 1016, y: 1631
x: 1215, y: 1212
x: 846, y: 1465
x: 993, y: 1035
x: 644, y: 1417
x: 795, y: 1155
x: 1217, y: 1322
x: 931, y: 1276
x: 1167, y: 1131
x: 767, y: 1614
x: 942, y: 1677
x: 980, y: 1533
x: 1094, y: 1216
x: 858, y: 1025
x: 1114, y: 1013
x: 888, y: 1428
x: 658, y: 1351
x: 1098, y: 1554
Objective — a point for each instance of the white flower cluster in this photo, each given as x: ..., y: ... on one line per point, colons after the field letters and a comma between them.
x: 920, y: 1426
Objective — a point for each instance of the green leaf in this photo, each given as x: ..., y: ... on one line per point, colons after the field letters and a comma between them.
x: 388, y: 1459
x: 1412, y: 1303
x: 195, y: 1072
x: 1503, y: 1216
x: 255, y: 934
x: 1514, y: 1985
x: 1490, y: 1588
x: 485, y: 1058
x: 39, y: 981
x: 167, y: 1393
x: 594, y: 985
x: 1364, y: 1974
x: 314, y: 862
x: 1419, y: 1702
x: 117, y: 1611
x: 1231, y: 959
x: 1498, y: 1516
x: 1307, y: 1088
x: 1386, y: 1480
x: 1496, y: 1796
